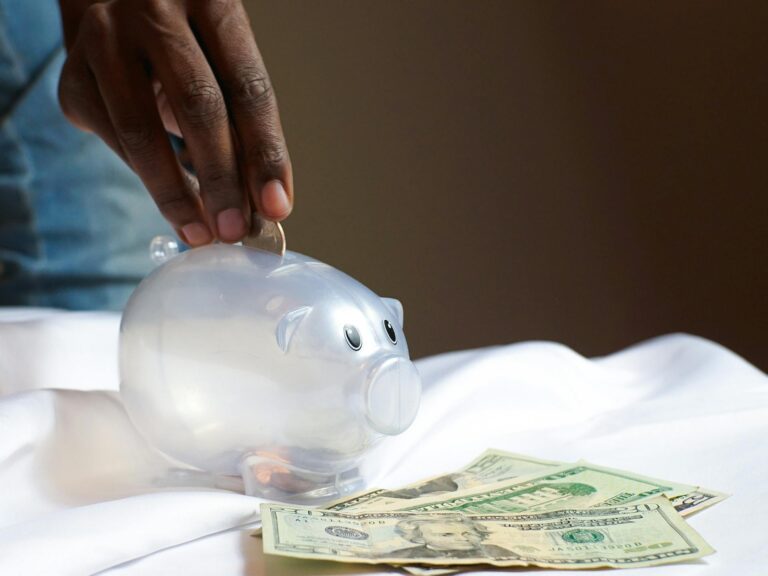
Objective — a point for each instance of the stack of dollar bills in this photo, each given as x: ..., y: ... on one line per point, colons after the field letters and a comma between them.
x: 503, y: 510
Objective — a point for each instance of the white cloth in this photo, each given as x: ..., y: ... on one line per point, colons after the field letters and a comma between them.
x: 80, y: 490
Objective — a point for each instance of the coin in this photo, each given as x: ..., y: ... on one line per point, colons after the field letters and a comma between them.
x: 265, y: 235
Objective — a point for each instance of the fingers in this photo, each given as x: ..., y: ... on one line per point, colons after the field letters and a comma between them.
x: 137, y: 69
x: 224, y: 30
x: 129, y: 100
x: 81, y: 101
x: 199, y: 107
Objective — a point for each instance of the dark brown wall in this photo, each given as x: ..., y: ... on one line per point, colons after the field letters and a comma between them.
x: 594, y: 173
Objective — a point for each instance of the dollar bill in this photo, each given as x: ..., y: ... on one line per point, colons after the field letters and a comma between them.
x: 496, y: 465
x: 693, y: 502
x: 580, y: 485
x: 635, y: 535
x: 490, y: 467
x: 685, y: 505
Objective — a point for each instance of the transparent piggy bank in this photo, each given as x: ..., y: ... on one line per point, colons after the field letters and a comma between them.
x: 279, y: 369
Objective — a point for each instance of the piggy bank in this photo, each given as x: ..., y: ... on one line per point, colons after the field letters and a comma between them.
x: 279, y: 369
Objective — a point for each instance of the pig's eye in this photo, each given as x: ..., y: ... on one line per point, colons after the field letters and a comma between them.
x: 390, y: 331
x: 353, y: 337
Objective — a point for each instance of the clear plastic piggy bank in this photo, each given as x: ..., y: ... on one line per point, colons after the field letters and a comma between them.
x: 282, y: 370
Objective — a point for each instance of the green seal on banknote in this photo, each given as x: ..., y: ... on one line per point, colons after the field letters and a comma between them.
x: 346, y: 532
x: 581, y: 536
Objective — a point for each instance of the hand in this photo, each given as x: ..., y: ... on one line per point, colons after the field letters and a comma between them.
x: 139, y: 68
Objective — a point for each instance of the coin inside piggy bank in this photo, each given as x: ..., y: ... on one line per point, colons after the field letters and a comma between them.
x: 281, y: 369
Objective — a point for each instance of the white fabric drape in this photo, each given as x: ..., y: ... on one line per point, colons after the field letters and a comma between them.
x: 81, y: 492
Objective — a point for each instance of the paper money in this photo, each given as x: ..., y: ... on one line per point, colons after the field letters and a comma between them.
x: 697, y: 500
x: 645, y: 534
x: 490, y: 467
x: 499, y: 483
x: 685, y: 505
x: 497, y: 465
x: 580, y: 485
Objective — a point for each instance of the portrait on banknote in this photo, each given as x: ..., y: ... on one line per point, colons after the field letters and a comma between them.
x: 455, y: 537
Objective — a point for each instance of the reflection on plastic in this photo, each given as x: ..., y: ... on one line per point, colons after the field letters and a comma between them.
x: 238, y: 361
x: 162, y: 249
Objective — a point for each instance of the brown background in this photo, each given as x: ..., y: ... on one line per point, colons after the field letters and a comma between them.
x: 591, y: 173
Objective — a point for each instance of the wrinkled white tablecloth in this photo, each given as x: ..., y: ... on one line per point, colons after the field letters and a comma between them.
x: 79, y: 489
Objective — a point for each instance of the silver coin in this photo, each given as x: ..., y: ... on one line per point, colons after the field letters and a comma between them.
x: 265, y: 235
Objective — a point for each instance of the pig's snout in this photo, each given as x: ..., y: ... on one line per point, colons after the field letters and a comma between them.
x: 392, y: 395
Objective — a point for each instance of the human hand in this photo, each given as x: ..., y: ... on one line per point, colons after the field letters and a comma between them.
x: 137, y: 69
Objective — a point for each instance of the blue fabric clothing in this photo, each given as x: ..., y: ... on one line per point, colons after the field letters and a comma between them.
x: 75, y: 222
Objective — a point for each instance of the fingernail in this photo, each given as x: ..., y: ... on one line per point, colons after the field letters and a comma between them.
x: 231, y: 224
x: 274, y: 200
x: 196, y: 233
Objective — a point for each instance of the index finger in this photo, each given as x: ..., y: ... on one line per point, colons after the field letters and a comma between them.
x: 224, y: 29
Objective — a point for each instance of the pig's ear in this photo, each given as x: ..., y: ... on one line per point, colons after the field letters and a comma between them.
x: 288, y: 324
x: 396, y: 307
